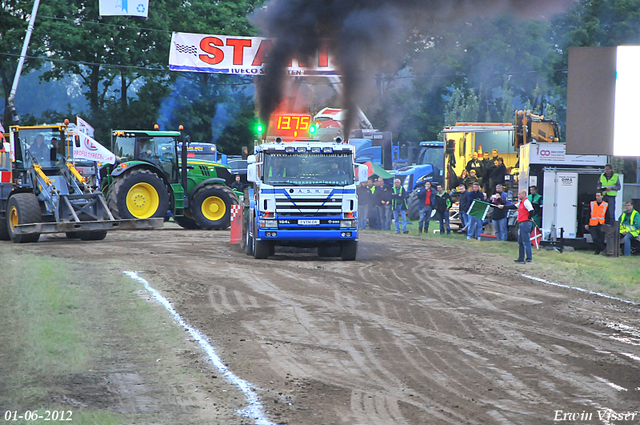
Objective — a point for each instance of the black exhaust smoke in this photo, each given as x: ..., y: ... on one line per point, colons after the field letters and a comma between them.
x: 363, y: 36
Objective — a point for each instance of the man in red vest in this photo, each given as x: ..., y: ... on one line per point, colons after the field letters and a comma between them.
x: 525, y: 215
x: 596, y: 221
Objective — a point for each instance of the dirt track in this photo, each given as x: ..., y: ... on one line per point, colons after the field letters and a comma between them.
x: 405, y: 335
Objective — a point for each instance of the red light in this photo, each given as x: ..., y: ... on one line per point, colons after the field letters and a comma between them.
x: 191, y: 155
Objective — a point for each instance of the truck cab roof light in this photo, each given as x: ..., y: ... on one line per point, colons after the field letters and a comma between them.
x: 316, y: 150
x: 302, y: 149
x: 328, y: 149
x: 289, y: 149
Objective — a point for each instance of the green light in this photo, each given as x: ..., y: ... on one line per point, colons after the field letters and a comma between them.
x: 259, y: 128
x: 312, y: 129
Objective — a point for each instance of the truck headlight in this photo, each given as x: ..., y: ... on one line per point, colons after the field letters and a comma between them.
x: 348, y: 223
x: 268, y: 223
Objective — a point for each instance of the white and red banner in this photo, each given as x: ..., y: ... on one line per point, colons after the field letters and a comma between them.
x: 89, y: 148
x: 223, y: 54
x: 92, y: 150
x: 84, y: 127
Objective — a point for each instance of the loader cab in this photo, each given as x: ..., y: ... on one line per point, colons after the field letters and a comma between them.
x: 45, y: 146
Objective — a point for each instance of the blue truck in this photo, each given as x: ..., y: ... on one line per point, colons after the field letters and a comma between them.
x: 303, y: 194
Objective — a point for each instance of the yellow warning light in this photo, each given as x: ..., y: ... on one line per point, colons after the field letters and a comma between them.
x: 156, y: 127
x: 180, y: 127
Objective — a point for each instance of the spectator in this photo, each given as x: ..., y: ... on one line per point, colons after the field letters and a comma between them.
x: 498, y: 173
x: 525, y: 213
x: 382, y: 200
x: 629, y: 226
x: 487, y: 170
x: 596, y: 221
x: 427, y: 201
x: 463, y: 175
x: 399, y: 206
x: 374, y: 223
x: 463, y: 206
x: 443, y: 203
x: 364, y: 202
x: 474, y: 164
x: 499, y: 214
x: 536, y: 200
x: 609, y: 184
x: 474, y: 228
x: 237, y: 184
x: 471, y: 179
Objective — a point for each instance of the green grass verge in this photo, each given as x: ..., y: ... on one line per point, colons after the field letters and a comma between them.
x: 619, y: 277
x: 63, y: 323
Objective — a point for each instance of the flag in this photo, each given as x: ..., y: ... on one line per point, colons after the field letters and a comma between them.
x: 124, y: 8
x: 92, y: 150
x: 84, y: 127
x: 479, y: 209
x: 536, y: 237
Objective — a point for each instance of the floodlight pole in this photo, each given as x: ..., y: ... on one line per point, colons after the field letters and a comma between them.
x: 14, y: 88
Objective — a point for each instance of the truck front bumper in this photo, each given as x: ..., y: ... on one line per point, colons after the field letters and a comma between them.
x: 308, y: 235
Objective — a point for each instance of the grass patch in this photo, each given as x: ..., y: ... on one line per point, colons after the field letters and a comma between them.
x: 619, y: 277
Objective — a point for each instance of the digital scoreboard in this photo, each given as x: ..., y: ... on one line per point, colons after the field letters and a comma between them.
x: 290, y: 126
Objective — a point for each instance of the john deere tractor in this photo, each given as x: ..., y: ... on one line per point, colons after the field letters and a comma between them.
x: 153, y: 177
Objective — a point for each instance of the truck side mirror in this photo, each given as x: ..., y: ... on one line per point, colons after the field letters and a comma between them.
x: 363, y: 173
x: 251, y: 159
x: 252, y: 172
x: 451, y: 147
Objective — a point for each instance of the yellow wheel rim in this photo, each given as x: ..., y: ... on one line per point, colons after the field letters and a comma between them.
x: 143, y: 200
x: 213, y: 208
x: 13, y: 217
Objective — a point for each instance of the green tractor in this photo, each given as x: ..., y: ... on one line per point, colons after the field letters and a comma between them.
x: 153, y: 176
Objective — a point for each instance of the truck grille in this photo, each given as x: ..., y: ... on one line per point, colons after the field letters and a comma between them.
x: 301, y: 207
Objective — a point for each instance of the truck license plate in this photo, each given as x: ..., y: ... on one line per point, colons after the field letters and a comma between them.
x: 308, y: 222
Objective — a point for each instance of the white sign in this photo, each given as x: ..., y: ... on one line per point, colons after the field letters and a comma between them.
x: 124, y: 8
x: 92, y: 150
x: 625, y: 133
x: 555, y: 153
x: 236, y: 55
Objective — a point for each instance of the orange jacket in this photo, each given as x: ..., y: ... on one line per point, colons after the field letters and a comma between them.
x: 597, y: 213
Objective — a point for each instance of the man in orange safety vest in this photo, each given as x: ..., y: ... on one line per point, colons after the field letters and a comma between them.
x: 596, y: 221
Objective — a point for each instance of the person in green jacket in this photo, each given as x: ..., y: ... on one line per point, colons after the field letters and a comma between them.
x: 536, y: 200
x: 609, y: 183
x: 629, y: 226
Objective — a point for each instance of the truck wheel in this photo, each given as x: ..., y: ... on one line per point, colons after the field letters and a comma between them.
x: 247, y: 240
x: 23, y: 208
x: 211, y: 207
x: 186, y: 223
x: 348, y: 250
x: 4, y: 232
x: 138, y: 194
x: 95, y: 235
x: 414, y: 207
x: 260, y: 248
x: 72, y: 235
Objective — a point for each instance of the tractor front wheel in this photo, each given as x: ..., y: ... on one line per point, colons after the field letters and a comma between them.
x: 138, y: 194
x: 414, y: 206
x: 23, y: 208
x: 211, y: 207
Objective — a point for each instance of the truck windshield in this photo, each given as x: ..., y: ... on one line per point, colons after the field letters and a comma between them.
x: 433, y: 155
x: 45, y: 145
x: 283, y: 169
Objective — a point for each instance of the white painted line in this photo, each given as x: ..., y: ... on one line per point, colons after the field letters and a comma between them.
x: 609, y: 383
x: 579, y: 289
x: 254, y: 410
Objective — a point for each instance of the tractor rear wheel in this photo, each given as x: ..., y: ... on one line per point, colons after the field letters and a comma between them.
x: 414, y: 206
x: 138, y: 194
x: 23, y: 208
x: 211, y: 207
x: 186, y: 222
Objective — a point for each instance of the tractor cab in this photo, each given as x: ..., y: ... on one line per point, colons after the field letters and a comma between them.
x: 45, y: 146
x: 158, y: 148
